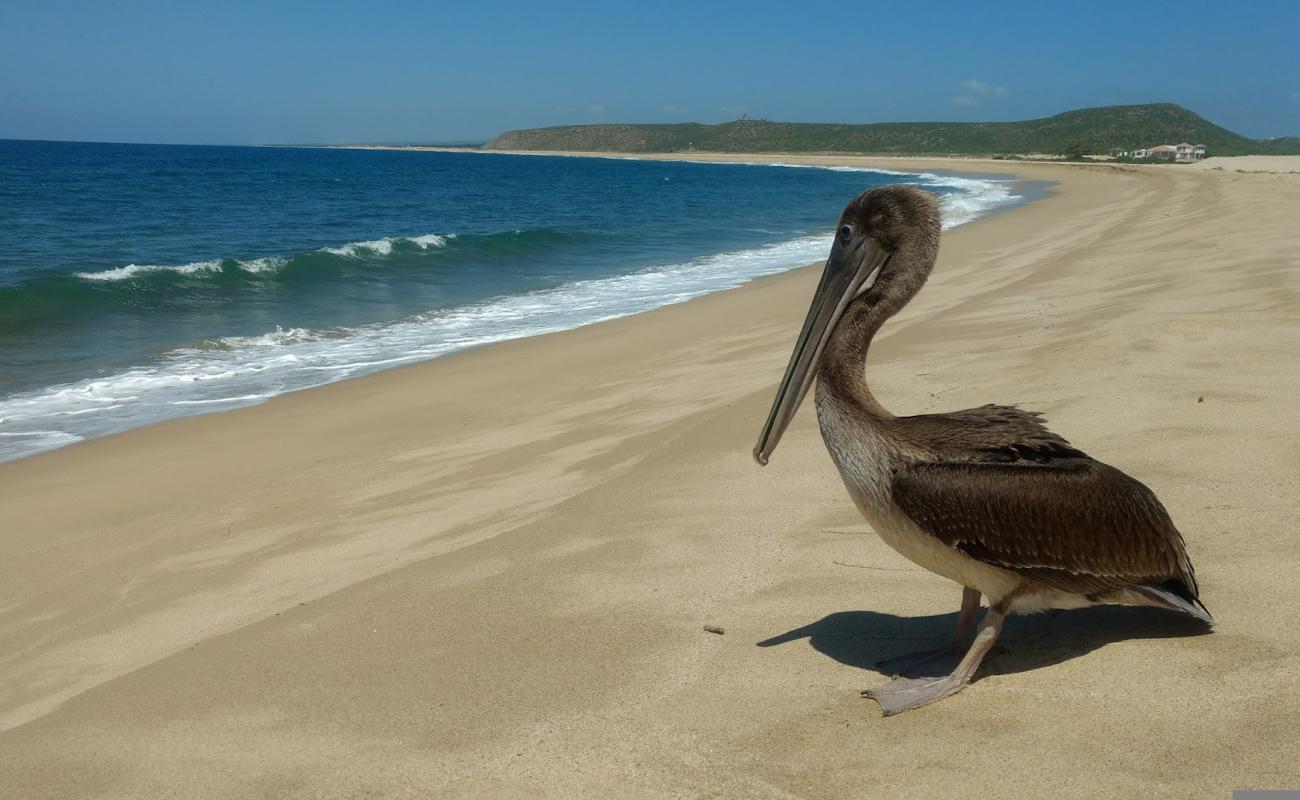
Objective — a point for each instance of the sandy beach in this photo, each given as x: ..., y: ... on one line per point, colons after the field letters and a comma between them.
x: 488, y: 575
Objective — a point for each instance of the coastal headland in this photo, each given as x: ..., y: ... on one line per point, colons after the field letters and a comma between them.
x: 490, y: 574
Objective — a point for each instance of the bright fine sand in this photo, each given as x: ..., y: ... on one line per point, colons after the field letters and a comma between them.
x: 489, y: 575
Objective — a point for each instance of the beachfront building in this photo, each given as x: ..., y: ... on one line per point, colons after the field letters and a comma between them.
x: 1182, y: 152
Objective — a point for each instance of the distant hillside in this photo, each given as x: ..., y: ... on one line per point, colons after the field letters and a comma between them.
x: 1088, y: 130
x: 1281, y: 146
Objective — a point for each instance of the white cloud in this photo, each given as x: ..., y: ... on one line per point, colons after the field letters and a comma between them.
x: 596, y: 109
x: 979, y: 87
x: 974, y: 91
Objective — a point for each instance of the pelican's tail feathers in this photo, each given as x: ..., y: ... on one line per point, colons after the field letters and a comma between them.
x: 1175, y: 595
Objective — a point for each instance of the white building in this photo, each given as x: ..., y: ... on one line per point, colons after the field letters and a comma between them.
x: 1183, y: 152
x: 1189, y: 152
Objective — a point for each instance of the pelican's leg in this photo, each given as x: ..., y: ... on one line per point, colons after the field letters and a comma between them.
x: 970, y: 606
x: 903, y: 694
x: 961, y: 639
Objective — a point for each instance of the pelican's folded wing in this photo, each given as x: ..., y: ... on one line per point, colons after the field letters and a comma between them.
x: 1077, y: 525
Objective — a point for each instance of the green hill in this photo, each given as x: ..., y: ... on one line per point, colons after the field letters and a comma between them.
x: 1088, y: 130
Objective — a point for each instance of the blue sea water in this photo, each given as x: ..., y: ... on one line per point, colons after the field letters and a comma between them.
x: 144, y: 282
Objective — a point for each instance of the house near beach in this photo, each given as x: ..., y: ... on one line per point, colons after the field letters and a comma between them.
x: 1182, y: 153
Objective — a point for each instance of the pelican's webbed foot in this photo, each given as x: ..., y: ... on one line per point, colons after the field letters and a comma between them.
x: 904, y: 694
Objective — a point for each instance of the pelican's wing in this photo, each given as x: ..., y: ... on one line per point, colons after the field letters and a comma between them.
x: 1002, y: 434
x: 1074, y: 524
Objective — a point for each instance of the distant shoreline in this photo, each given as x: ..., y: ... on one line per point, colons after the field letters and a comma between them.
x: 1266, y: 164
x: 667, y: 156
x: 756, y: 157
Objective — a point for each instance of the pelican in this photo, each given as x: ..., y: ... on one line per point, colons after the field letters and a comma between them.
x: 987, y: 497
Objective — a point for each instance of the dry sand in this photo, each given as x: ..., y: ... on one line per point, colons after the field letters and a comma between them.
x: 488, y: 575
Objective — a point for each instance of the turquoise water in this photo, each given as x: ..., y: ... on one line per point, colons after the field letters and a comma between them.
x: 140, y: 283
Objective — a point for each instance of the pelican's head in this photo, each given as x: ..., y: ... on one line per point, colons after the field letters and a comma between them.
x: 861, y: 268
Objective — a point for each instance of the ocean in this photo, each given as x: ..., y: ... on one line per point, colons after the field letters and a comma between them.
x: 140, y: 283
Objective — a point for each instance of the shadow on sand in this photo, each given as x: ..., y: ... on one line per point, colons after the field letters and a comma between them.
x: 865, y: 639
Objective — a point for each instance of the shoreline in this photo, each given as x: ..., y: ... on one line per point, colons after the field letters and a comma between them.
x: 64, y: 427
x: 488, y: 572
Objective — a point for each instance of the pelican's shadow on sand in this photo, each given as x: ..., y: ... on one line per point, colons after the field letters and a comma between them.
x: 869, y: 639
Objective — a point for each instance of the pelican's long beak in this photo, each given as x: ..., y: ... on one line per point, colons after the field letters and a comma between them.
x: 851, y: 269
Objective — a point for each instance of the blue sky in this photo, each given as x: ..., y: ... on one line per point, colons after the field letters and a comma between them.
x: 266, y: 72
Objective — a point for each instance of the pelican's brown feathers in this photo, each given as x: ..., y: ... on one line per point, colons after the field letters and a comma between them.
x: 1075, y: 524
x: 991, y: 433
x: 1005, y: 490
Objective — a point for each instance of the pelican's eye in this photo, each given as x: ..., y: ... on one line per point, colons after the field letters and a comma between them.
x: 846, y: 233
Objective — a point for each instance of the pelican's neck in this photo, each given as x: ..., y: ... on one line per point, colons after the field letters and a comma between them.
x: 844, y: 365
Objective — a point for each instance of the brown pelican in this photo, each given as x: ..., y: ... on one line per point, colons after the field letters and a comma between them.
x: 987, y: 497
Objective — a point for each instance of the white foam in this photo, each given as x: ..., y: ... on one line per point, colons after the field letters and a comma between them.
x: 275, y: 337
x: 975, y: 196
x: 381, y: 247
x: 264, y: 264
x: 236, y: 371
x: 431, y: 240
x: 27, y: 443
x: 384, y: 246
x: 91, y: 410
x: 56, y: 436
x: 131, y: 270
x: 975, y: 201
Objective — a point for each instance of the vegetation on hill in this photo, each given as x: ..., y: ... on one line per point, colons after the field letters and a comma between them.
x: 1088, y: 130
